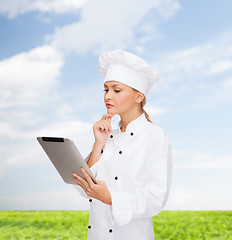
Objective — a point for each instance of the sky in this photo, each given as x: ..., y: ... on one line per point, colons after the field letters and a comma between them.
x: 50, y: 86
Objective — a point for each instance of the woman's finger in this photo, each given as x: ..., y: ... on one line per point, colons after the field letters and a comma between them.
x: 108, y: 125
x: 107, y: 115
x: 78, y: 183
x: 103, y: 126
x: 99, y: 125
x: 88, y: 178
x: 82, y: 182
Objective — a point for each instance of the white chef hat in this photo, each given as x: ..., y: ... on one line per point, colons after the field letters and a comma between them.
x: 128, y: 69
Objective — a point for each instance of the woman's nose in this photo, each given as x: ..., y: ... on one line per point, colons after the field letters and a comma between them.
x: 108, y: 95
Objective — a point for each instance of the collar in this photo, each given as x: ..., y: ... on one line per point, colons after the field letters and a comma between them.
x: 134, y: 126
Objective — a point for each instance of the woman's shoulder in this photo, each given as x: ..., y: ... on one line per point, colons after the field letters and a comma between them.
x: 155, y: 131
x: 157, y: 139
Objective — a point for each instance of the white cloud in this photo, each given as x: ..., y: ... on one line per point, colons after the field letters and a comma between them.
x: 220, y: 66
x: 62, y: 128
x: 202, y: 199
x: 13, y: 8
x: 202, y: 157
x: 227, y: 83
x: 26, y: 77
x: 224, y: 91
x: 109, y: 25
x: 193, y: 63
x: 205, y: 162
x: 28, y: 151
x: 7, y: 130
x: 181, y: 152
x: 216, y: 93
x: 200, y: 74
x: 57, y: 6
x: 18, y: 154
x: 79, y: 131
x: 31, y: 81
x: 65, y: 199
x: 155, y: 110
x: 28, y: 91
x: 201, y: 181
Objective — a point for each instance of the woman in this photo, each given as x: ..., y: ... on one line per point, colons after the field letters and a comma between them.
x: 133, y: 162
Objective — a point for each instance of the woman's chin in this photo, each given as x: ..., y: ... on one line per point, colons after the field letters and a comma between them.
x: 109, y: 110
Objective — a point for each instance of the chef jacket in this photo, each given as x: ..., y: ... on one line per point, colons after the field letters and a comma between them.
x: 136, y: 166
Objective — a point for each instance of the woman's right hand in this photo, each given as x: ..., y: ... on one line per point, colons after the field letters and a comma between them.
x: 102, y: 129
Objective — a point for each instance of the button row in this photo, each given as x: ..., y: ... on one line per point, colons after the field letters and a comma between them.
x: 120, y: 152
x: 110, y: 230
x: 111, y: 136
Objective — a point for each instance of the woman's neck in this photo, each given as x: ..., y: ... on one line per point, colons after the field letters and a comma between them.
x: 126, y: 119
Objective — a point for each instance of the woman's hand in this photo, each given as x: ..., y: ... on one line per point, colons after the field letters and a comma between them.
x: 98, y: 191
x: 102, y: 129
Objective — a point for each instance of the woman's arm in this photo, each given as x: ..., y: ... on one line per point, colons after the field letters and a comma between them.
x: 95, y: 155
x: 101, y: 131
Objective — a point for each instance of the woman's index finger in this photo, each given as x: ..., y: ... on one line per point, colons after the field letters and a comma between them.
x: 108, y: 115
x: 87, y: 177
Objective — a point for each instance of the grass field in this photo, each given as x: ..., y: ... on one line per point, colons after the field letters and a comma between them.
x: 172, y: 225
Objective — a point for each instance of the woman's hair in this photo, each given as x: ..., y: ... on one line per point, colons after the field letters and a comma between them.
x: 142, y: 105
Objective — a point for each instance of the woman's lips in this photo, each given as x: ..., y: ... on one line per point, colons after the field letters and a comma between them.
x: 109, y: 105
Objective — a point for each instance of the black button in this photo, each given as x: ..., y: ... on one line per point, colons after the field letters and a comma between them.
x: 110, y: 230
x: 101, y: 151
x: 116, y: 178
x: 111, y: 136
x: 89, y: 227
x: 120, y: 152
x: 90, y: 200
x: 132, y: 134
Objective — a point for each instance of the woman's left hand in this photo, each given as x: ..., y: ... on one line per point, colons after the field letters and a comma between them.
x: 97, y: 190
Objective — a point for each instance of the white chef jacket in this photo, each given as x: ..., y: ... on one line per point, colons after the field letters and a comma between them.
x: 136, y: 166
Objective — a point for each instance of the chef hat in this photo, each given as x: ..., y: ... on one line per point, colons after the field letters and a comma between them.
x: 128, y: 69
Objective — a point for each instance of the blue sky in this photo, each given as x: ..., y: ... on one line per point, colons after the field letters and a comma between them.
x: 49, y: 85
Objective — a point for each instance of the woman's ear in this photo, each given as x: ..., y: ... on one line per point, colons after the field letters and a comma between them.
x: 139, y: 97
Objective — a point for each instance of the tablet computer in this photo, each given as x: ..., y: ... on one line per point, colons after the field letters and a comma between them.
x: 65, y: 156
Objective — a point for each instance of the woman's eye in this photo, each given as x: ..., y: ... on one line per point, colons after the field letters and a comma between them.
x: 106, y: 90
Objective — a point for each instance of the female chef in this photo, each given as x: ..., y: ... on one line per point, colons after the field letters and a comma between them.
x: 132, y: 162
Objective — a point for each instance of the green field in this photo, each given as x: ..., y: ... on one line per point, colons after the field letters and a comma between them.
x: 173, y: 225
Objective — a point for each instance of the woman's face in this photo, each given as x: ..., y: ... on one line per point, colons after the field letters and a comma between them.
x: 120, y: 98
